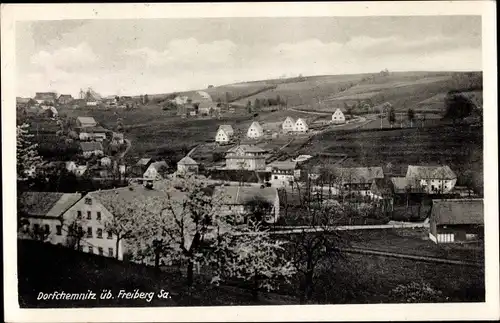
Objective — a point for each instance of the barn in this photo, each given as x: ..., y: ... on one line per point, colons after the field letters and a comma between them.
x: 456, y: 220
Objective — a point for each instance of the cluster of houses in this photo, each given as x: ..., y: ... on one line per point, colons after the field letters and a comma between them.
x: 197, y: 103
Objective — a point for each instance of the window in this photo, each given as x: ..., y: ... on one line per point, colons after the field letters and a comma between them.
x: 88, y: 201
x: 110, y: 252
x: 110, y: 235
x: 99, y: 233
x: 89, y: 232
x: 89, y: 215
x: 47, y: 228
x: 58, y: 230
x: 275, y: 177
x: 91, y: 249
x: 101, y: 251
x: 36, y: 227
x: 78, y: 215
x: 98, y: 216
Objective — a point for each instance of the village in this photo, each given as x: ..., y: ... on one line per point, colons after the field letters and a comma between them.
x: 247, y: 171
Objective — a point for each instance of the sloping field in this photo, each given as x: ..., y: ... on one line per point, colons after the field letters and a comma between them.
x: 237, y: 91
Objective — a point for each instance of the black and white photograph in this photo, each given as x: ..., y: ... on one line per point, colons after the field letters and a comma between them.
x: 250, y: 157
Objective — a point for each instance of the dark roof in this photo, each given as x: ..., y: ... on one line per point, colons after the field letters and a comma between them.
x: 458, y: 211
x: 45, y: 96
x: 90, y: 146
x: 86, y: 120
x: 143, y: 161
x: 246, y: 149
x: 430, y: 172
x: 46, y: 204
x: 65, y: 96
x: 238, y: 195
x: 405, y: 185
x: 359, y: 174
x: 283, y: 165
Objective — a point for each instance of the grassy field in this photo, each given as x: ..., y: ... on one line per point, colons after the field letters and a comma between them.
x: 460, y: 147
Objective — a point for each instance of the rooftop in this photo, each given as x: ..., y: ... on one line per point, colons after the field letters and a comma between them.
x: 90, y: 145
x: 246, y: 149
x: 430, y: 172
x: 86, y: 120
x: 238, y: 195
x: 47, y: 204
x: 187, y: 161
x: 458, y: 211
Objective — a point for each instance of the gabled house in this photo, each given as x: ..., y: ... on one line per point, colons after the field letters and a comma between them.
x: 288, y: 125
x: 105, y: 161
x: 224, y: 134
x: 300, y: 126
x: 206, y: 108
x: 91, y: 148
x: 187, y: 165
x: 85, y: 122
x: 433, y: 179
x: 155, y: 170
x: 238, y: 201
x: 41, y: 215
x: 338, y: 117
x: 283, y: 173
x: 246, y: 157
x: 144, y: 162
x: 92, y: 133
x: 45, y: 97
x: 65, y: 99
x: 456, y: 220
x: 255, y: 130
x: 356, y: 180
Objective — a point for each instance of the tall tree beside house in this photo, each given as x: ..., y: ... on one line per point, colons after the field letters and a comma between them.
x: 411, y: 116
x: 124, y: 224
x: 249, y: 106
x: 257, y: 104
x: 26, y: 152
x: 176, y: 227
x: 249, y: 253
x: 391, y: 116
x: 457, y: 106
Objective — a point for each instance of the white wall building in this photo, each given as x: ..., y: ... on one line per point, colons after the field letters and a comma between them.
x: 255, y: 130
x: 433, y: 179
x: 338, y: 117
x: 224, y: 134
x: 300, y: 126
x: 288, y: 125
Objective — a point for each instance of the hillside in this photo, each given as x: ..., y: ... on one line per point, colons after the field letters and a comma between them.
x: 48, y: 268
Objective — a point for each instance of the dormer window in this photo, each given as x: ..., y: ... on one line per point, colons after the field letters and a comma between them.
x: 88, y: 201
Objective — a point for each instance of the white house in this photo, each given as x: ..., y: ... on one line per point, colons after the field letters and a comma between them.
x: 41, y: 215
x: 88, y: 217
x: 71, y: 166
x: 338, y: 117
x: 283, y: 173
x: 224, y: 134
x: 300, y: 126
x: 433, y: 179
x: 288, y: 125
x: 105, y: 161
x: 92, y: 133
x: 237, y: 199
x: 246, y: 157
x: 154, y: 170
x: 80, y: 170
x: 255, y: 130
x: 187, y: 165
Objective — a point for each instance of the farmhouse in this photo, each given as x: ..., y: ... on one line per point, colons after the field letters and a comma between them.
x: 338, y: 117
x: 456, y: 220
x: 155, y: 170
x: 434, y: 179
x: 42, y: 215
x: 105, y: 161
x: 91, y: 148
x: 187, y: 165
x: 300, y: 126
x: 86, y: 122
x: 255, y: 130
x: 246, y: 157
x: 239, y: 201
x: 92, y: 133
x: 65, y: 99
x: 283, y: 173
x: 356, y: 179
x: 224, y: 134
x: 45, y: 97
x: 89, y: 217
x: 288, y: 125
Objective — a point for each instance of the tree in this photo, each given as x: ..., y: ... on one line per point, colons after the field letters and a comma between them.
x: 249, y: 253
x: 146, y: 99
x: 178, y: 221
x: 391, y: 116
x: 411, y: 116
x: 26, y: 153
x: 249, y: 106
x: 257, y: 105
x: 457, y: 106
x: 126, y: 216
x: 417, y: 292
x: 349, y: 109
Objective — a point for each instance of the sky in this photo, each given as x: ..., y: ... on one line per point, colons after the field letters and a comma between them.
x: 131, y: 57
